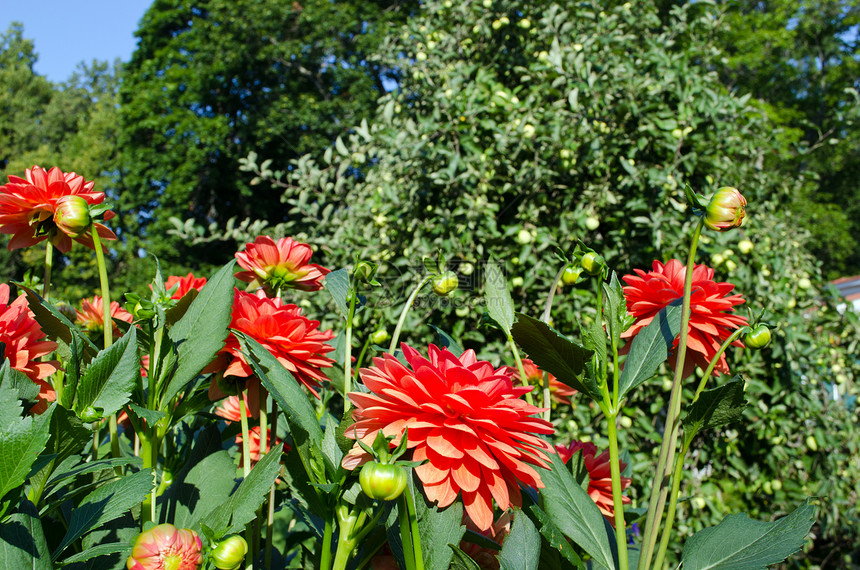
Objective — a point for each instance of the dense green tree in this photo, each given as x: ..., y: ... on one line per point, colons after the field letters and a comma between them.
x: 802, y: 61
x: 517, y: 129
x: 212, y: 79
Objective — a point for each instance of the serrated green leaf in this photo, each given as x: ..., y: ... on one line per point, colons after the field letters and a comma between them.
x: 107, y: 382
x: 576, y: 515
x: 25, y: 388
x: 714, y: 408
x: 521, y: 549
x: 151, y: 416
x: 555, y: 539
x: 500, y: 306
x: 741, y: 543
x: 96, y: 551
x: 65, y: 472
x: 650, y: 348
x: 337, y: 284
x: 232, y: 516
x: 594, y: 339
x: 106, y: 503
x: 22, y: 439
x: 204, y: 483
x: 554, y: 353
x: 22, y: 541
x: 201, y: 332
x: 55, y: 324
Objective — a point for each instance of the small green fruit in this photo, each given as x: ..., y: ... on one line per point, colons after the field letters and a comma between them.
x: 380, y: 336
x: 571, y: 275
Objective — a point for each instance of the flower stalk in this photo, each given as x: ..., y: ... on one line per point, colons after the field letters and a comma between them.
x: 659, y: 488
x: 396, y: 336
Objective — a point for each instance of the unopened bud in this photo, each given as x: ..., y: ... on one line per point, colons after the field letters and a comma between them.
x: 445, y: 283
x: 72, y: 215
x: 725, y: 210
x: 592, y: 262
x: 229, y: 553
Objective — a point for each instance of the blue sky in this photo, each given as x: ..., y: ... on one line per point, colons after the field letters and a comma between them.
x: 67, y: 32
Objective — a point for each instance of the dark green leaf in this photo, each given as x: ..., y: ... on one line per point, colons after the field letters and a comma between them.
x: 232, y: 515
x: 95, y: 551
x: 26, y: 389
x: 521, y: 548
x: 555, y: 354
x: 556, y: 540
x: 650, y: 348
x: 576, y: 515
x: 438, y: 528
x: 109, y: 379
x: 714, y: 408
x: 696, y: 202
x: 500, y: 306
x: 22, y: 439
x: 461, y: 560
x: 200, y: 333
x: 337, y: 284
x: 447, y: 341
x: 106, y: 503
x: 55, y: 324
x: 22, y: 541
x: 739, y: 542
x: 65, y: 472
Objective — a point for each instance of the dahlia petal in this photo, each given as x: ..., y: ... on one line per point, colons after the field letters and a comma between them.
x: 478, y: 505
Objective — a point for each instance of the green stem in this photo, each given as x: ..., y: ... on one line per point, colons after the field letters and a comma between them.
x: 246, y: 440
x: 325, y: 558
x: 361, y: 354
x: 617, y: 501
x: 673, y: 504
x: 520, y: 368
x: 396, y: 336
x: 345, y: 545
x: 547, y: 308
x: 347, y: 358
x: 413, y: 524
x: 270, y: 515
x: 49, y: 264
x: 148, y: 453
x: 659, y: 487
x: 405, y: 531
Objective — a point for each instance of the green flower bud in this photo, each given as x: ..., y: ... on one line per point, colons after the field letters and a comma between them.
x: 758, y: 337
x: 380, y: 336
x: 592, y: 262
x: 72, y: 215
x: 90, y: 415
x: 229, y: 553
x: 364, y: 271
x: 571, y: 275
x: 725, y: 210
x: 445, y: 283
x: 382, y: 481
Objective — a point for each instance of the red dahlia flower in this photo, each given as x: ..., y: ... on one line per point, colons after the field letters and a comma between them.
x: 292, y: 338
x: 165, y: 547
x: 184, y: 284
x: 599, y: 475
x: 279, y: 265
x: 91, y: 315
x: 711, y: 319
x: 25, y: 343
x: 559, y: 391
x: 466, y: 421
x: 28, y: 205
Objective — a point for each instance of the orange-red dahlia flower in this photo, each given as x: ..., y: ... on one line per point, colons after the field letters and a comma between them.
x: 25, y: 343
x: 279, y: 265
x: 711, y: 317
x: 466, y: 421
x: 559, y: 391
x: 91, y: 315
x: 292, y: 338
x: 165, y: 547
x: 599, y: 475
x: 28, y: 205
x: 184, y: 284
